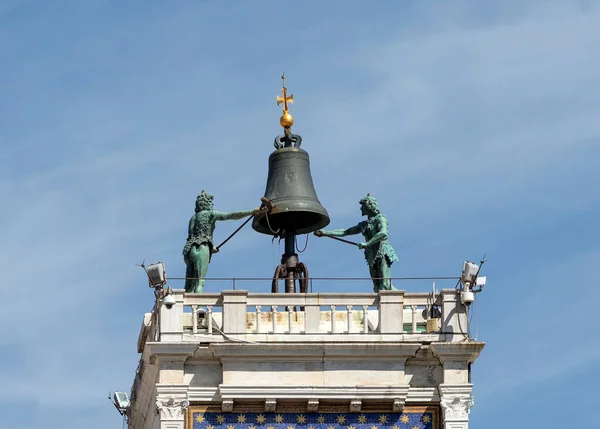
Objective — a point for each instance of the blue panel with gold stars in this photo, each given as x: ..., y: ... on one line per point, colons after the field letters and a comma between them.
x: 406, y: 420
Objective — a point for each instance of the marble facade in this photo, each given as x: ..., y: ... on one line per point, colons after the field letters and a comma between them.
x: 311, y: 352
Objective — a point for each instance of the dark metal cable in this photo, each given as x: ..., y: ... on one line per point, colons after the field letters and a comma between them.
x: 269, y: 224
x: 341, y: 239
x: 305, y: 245
x: 216, y: 249
x: 313, y: 278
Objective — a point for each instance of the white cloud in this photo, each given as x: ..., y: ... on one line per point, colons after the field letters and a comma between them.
x: 396, y: 116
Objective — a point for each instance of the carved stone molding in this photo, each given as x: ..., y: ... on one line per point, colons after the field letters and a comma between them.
x: 312, y: 406
x: 398, y: 405
x: 270, y: 405
x: 457, y: 407
x: 355, y: 406
x: 227, y: 405
x: 171, y: 409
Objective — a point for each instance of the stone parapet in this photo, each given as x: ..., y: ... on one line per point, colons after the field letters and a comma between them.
x: 239, y: 313
x: 308, y: 351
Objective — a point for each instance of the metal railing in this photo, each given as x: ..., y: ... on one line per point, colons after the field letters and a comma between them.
x: 235, y: 281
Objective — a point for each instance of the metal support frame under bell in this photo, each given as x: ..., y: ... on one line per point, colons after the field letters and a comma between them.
x: 290, y: 269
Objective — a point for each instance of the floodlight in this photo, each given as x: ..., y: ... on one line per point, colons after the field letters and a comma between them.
x: 471, y: 282
x: 469, y: 272
x: 121, y: 399
x: 121, y: 402
x: 156, y: 275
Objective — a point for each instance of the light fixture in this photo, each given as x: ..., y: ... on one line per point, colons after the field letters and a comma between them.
x: 121, y: 401
x: 156, y: 275
x: 469, y: 272
x: 470, y: 281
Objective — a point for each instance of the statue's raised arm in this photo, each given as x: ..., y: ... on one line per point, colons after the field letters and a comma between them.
x: 353, y: 230
x: 379, y: 253
x: 199, y: 245
x: 235, y: 215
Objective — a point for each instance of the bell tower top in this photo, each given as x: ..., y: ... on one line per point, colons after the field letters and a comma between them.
x: 286, y: 119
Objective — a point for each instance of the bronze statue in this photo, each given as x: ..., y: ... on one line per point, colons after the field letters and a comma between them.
x: 199, y: 246
x: 379, y: 253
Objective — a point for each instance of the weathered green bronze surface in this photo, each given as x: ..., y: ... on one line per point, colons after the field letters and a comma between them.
x: 199, y: 246
x: 379, y: 253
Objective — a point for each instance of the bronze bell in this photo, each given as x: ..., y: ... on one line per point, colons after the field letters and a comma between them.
x: 291, y: 191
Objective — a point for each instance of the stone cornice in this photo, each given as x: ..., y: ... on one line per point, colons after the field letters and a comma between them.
x: 173, y: 351
x: 314, y: 351
x: 390, y: 392
x: 456, y: 389
x: 423, y: 395
x: 203, y: 394
x: 463, y: 351
x: 171, y: 389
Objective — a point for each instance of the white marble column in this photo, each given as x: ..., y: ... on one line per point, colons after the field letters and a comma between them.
x: 456, y: 401
x: 172, y: 412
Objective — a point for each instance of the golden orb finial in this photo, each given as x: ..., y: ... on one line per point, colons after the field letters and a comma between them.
x: 286, y: 120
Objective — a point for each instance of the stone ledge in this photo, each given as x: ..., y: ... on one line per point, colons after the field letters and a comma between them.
x: 213, y: 394
x: 310, y: 351
x: 423, y: 395
x: 456, y: 389
x: 314, y: 392
x: 203, y: 394
x: 463, y: 351
x: 268, y: 339
x: 170, y: 350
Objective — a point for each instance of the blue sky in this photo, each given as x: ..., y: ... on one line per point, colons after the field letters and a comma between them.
x: 475, y: 124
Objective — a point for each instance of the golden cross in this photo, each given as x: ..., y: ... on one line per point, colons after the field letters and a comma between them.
x: 285, y: 99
